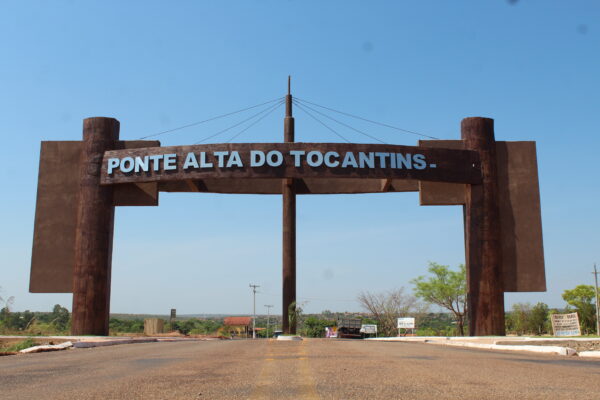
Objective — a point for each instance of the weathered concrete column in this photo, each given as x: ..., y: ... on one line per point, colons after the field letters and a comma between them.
x: 482, y: 234
x: 94, y: 232
x: 289, y: 231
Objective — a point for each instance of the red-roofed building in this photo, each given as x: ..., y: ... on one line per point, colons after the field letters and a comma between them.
x: 238, y: 321
x: 238, y: 325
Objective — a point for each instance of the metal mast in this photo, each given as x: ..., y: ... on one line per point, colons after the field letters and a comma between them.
x: 289, y: 229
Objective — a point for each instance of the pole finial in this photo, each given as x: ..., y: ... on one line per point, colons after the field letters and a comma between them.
x: 289, y: 85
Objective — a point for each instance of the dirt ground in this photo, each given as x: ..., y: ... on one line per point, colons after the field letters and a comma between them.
x: 579, y: 345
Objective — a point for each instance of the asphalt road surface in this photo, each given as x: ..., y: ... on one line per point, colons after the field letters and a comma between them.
x: 311, y: 369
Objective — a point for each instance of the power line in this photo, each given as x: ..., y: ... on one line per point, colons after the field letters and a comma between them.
x: 311, y: 298
x: 321, y: 122
x: 321, y: 299
x: 343, y: 124
x: 368, y: 120
x: 239, y: 123
x: 256, y: 122
x: 209, y: 119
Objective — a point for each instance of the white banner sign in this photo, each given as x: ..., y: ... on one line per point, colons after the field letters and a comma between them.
x: 406, y: 323
x: 368, y: 328
x: 566, y: 324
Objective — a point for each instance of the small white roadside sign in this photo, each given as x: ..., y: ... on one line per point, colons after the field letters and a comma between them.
x: 370, y: 329
x: 406, y: 323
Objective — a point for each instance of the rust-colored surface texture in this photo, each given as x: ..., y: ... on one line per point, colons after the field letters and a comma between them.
x: 520, y: 217
x: 441, y: 193
x: 137, y: 194
x: 53, y: 251
x: 93, y: 232
x: 52, y: 256
x: 301, y: 186
x: 288, y: 190
x: 523, y: 267
x: 482, y: 234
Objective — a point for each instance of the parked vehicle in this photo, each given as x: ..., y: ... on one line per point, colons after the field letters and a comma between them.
x: 349, y: 328
x: 368, y: 330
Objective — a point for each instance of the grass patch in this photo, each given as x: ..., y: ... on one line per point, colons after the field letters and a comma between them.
x: 29, y: 342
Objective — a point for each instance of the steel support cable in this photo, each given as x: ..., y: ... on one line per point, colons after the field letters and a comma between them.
x: 321, y: 122
x: 209, y: 119
x: 321, y: 299
x: 368, y: 120
x: 240, y: 123
x: 311, y: 298
x: 342, y: 123
x: 257, y: 121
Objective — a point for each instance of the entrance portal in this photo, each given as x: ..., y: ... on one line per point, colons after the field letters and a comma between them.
x: 495, y: 182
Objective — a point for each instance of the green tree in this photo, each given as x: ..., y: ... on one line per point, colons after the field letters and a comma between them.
x: 519, y: 319
x: 437, y: 324
x: 539, y: 319
x: 60, y: 317
x: 525, y: 319
x: 445, y: 288
x: 205, y: 327
x: 294, y: 315
x: 185, y: 326
x: 5, y: 310
x: 315, y: 327
x: 582, y: 299
x: 17, y: 321
x: 135, y: 325
x: 548, y: 325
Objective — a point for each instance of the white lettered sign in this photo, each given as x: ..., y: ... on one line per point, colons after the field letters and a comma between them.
x: 566, y: 324
x: 406, y: 323
x: 289, y: 160
x: 368, y: 328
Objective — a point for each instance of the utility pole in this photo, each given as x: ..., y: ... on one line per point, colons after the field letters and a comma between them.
x: 597, y: 308
x: 254, y: 310
x: 268, y: 317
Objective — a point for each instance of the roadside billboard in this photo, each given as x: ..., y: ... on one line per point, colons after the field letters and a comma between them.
x: 566, y: 324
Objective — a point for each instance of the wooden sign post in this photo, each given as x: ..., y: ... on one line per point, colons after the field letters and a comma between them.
x: 289, y: 231
x: 483, y: 247
x: 94, y: 231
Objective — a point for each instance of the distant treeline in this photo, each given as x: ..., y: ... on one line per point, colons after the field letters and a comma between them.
x: 57, y: 322
x: 523, y: 319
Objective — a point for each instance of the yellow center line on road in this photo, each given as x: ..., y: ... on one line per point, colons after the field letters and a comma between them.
x: 310, y: 388
x: 292, y: 357
x: 262, y: 382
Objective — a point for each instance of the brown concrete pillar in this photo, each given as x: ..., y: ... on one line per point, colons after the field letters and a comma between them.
x: 482, y: 234
x: 289, y: 231
x: 94, y: 232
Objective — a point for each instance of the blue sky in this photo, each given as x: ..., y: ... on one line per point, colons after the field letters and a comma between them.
x: 423, y: 66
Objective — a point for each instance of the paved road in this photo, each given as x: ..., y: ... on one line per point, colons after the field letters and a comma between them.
x: 311, y: 369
